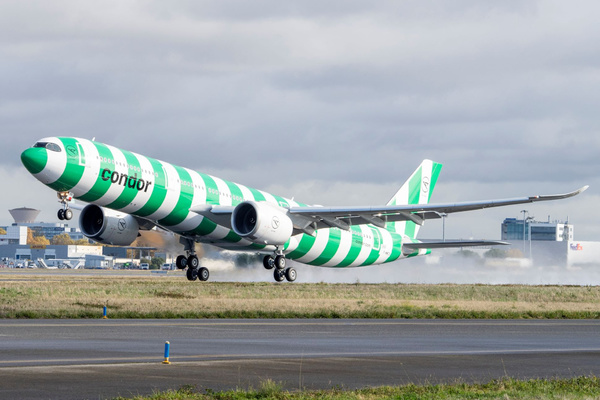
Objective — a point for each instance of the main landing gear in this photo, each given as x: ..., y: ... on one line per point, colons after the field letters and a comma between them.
x: 194, y: 271
x: 278, y: 264
x: 65, y: 213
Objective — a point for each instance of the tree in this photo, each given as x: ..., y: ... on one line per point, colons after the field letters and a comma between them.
x: 39, y: 241
x: 62, y: 239
x: 2, y: 231
x: 495, y: 253
x: 36, y: 240
x: 157, y: 262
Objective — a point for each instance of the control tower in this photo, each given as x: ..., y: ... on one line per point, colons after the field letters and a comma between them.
x: 24, y: 215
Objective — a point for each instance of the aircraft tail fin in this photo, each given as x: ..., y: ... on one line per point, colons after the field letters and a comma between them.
x: 416, y: 190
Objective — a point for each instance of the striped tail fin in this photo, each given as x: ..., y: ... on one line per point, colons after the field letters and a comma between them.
x: 416, y: 190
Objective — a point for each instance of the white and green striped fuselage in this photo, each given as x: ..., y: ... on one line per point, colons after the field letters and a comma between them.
x: 165, y: 194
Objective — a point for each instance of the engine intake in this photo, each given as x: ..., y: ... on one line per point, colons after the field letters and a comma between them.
x: 107, y: 226
x: 262, y: 223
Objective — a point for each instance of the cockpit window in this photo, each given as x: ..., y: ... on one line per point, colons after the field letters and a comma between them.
x: 48, y: 145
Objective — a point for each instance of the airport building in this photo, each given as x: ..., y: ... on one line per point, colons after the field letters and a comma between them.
x: 25, y: 218
x: 549, y: 243
x: 518, y: 229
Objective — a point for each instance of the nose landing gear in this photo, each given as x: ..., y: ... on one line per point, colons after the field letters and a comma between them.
x: 65, y: 213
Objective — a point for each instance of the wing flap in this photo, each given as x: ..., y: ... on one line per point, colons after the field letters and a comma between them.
x: 453, y: 244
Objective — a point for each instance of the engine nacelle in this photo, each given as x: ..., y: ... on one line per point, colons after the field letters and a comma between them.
x: 262, y: 223
x: 107, y: 226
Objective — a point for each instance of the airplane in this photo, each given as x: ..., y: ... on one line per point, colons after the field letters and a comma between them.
x: 128, y: 192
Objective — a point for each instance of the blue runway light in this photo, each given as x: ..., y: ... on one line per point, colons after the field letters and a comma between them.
x: 167, y: 349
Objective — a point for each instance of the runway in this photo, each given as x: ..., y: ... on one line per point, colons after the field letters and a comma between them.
x: 74, y: 359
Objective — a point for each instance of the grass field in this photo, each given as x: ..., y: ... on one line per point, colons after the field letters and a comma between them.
x: 68, y: 294
x: 505, y: 389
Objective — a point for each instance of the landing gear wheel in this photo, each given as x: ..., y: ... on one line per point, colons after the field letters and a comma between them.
x: 279, y: 275
x: 61, y: 214
x: 193, y: 262
x: 269, y: 262
x: 192, y: 274
x: 203, y: 274
x: 290, y: 274
x: 68, y: 214
x: 280, y: 262
x: 181, y: 262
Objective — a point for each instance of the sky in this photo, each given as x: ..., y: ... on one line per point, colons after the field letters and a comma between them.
x: 332, y: 103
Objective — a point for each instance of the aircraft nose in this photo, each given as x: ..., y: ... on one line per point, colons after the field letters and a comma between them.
x: 34, y: 159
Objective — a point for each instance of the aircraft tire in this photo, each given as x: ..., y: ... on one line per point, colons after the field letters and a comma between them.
x: 268, y: 262
x: 290, y: 274
x: 68, y: 214
x: 192, y: 274
x: 193, y: 262
x: 280, y: 262
x: 181, y: 262
x: 61, y: 214
x: 203, y: 274
x: 279, y: 275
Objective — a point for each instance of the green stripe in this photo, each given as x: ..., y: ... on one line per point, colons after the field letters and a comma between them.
x: 236, y: 193
x: 333, y: 244
x: 374, y: 255
x: 73, y: 171
x: 232, y: 237
x: 182, y: 208
x: 306, y: 243
x: 435, y: 173
x: 281, y: 202
x: 212, y: 190
x: 396, y: 248
x: 128, y: 193
x: 101, y: 186
x: 159, y: 190
x: 206, y: 227
x: 414, y: 191
x: 355, y: 247
x: 258, y: 196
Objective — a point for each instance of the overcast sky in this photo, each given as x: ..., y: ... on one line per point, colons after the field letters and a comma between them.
x: 332, y: 103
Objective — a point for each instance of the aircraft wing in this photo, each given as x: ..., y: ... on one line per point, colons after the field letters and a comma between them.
x: 452, y: 243
x: 309, y: 219
x: 305, y: 218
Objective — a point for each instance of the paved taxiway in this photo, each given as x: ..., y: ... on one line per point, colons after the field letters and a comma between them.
x: 105, y: 358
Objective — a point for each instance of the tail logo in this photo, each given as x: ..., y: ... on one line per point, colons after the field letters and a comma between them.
x: 425, y: 185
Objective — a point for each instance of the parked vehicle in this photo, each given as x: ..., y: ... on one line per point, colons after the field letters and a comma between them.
x: 144, y: 266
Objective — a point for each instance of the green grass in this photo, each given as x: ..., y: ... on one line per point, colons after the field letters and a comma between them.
x: 504, y: 389
x: 58, y: 295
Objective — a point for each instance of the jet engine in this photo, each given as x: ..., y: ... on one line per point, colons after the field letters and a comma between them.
x: 262, y: 223
x: 107, y: 226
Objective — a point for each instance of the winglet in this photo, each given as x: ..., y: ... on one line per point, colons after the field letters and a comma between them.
x: 560, y: 196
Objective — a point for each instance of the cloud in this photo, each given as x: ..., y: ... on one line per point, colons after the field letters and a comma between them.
x: 332, y: 103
